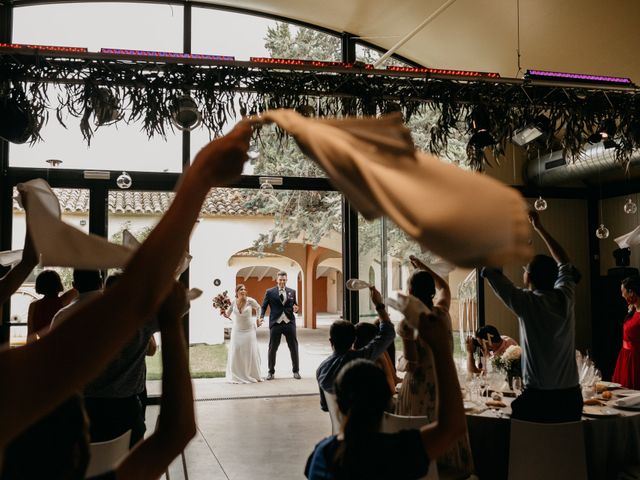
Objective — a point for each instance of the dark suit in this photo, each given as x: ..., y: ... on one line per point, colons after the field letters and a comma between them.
x: 276, y: 309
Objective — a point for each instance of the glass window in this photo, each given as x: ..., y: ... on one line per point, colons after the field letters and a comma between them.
x: 96, y: 25
x: 113, y: 147
x: 258, y: 37
x: 140, y: 26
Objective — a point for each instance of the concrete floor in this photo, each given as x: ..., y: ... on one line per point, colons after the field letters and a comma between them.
x: 258, y: 431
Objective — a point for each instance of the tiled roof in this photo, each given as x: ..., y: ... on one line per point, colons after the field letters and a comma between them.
x: 218, y: 202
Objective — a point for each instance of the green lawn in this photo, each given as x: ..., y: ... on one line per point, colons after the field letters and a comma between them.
x: 206, y: 361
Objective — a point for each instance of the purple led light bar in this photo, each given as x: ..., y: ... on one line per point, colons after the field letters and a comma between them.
x: 147, y: 53
x: 578, y: 77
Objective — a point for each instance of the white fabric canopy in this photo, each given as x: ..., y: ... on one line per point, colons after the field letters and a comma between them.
x: 466, y: 218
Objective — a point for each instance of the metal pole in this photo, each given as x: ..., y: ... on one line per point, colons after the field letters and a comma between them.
x: 411, y: 34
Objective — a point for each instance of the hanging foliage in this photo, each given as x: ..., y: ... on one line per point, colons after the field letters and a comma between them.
x: 142, y: 92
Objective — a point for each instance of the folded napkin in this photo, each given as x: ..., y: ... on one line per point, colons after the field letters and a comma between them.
x: 466, y: 218
x: 629, y: 239
x: 630, y: 401
x: 8, y: 258
x: 60, y: 244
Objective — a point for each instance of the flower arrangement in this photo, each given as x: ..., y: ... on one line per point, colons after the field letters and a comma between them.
x: 222, y: 301
x: 509, y: 362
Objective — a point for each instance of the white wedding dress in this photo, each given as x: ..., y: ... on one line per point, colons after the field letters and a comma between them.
x: 243, y: 362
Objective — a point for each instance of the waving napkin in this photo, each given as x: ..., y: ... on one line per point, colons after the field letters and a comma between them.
x: 62, y: 245
x: 466, y: 218
x: 629, y: 239
x: 8, y: 258
x: 630, y: 401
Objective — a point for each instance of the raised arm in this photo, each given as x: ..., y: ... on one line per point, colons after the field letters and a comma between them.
x: 102, y: 326
x: 444, y: 292
x: 176, y: 424
x: 438, y: 438
x: 471, y: 361
x: 555, y: 249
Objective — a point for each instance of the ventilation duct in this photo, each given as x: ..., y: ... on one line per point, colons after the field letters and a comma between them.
x: 555, y: 169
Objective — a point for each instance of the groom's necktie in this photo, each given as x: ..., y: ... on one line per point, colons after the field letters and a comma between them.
x: 281, y: 296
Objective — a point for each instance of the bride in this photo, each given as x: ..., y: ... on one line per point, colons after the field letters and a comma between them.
x: 243, y: 362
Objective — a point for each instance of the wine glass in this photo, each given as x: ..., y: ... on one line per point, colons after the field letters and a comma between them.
x: 516, y: 385
x: 484, y: 385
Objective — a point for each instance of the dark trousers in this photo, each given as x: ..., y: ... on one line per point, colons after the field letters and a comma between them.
x: 275, y: 334
x: 548, y: 406
x: 111, y: 417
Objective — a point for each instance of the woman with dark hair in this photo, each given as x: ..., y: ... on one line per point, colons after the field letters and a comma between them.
x: 417, y: 392
x: 627, y: 371
x: 363, y: 395
x: 41, y: 311
x: 243, y: 361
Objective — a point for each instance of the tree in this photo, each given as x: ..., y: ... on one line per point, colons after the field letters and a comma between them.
x: 311, y: 216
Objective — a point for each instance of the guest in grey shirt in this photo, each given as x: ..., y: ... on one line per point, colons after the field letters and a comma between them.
x: 545, y: 310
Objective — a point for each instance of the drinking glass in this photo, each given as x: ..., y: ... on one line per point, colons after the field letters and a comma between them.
x: 516, y: 385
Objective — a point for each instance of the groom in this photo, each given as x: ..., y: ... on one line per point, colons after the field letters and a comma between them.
x: 282, y: 321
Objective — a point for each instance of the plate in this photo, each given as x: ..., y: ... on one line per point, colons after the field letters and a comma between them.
x: 608, y: 385
x: 589, y: 411
x: 632, y: 408
x: 626, y: 393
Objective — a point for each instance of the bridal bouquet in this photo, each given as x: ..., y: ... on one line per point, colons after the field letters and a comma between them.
x: 509, y: 362
x: 222, y: 301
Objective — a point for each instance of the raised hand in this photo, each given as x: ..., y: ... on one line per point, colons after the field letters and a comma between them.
x: 417, y: 263
x: 534, y: 218
x: 376, y: 296
x: 222, y: 159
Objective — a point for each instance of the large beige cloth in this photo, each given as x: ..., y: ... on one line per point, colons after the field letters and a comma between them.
x: 467, y: 218
x: 60, y: 244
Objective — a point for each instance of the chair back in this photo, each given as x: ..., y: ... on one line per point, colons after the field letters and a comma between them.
x: 552, y: 451
x: 392, y: 423
x: 105, y: 456
x: 334, y: 411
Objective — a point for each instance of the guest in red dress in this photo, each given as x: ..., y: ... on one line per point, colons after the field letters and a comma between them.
x: 627, y: 372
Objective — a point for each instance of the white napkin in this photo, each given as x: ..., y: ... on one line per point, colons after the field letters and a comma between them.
x: 8, y: 258
x: 630, y: 401
x: 60, y: 244
x: 464, y: 217
x: 629, y: 239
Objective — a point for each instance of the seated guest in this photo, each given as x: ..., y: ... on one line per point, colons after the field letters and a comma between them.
x: 341, y: 336
x: 41, y: 311
x: 360, y: 450
x: 545, y: 310
x: 46, y: 373
x: 57, y: 446
x: 490, y: 342
x: 365, y: 332
x: 114, y: 399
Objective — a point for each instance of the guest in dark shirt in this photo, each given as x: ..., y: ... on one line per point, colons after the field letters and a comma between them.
x: 342, y: 336
x: 363, y: 395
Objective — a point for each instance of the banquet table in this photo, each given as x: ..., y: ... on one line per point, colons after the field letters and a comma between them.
x: 612, y: 443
